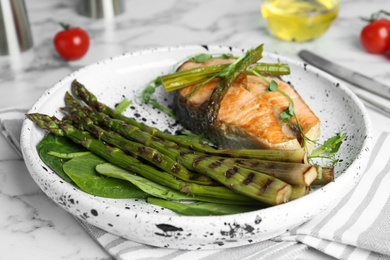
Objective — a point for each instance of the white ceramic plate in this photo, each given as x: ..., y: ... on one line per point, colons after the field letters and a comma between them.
x: 126, y: 76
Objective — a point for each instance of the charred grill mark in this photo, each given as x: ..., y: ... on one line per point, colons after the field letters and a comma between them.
x: 229, y: 173
x: 194, y: 177
x: 110, y: 149
x: 226, y: 153
x: 175, y: 168
x: 141, y: 149
x: 214, y: 165
x: 98, y: 106
x: 110, y: 131
x: 155, y: 139
x: 249, y: 179
x: 185, y: 153
x: 238, y: 161
x: 74, y: 117
x: 273, y: 166
x: 123, y: 143
x: 96, y: 132
x: 157, y: 158
x: 255, y: 164
x: 199, y: 159
x: 106, y: 122
x: 266, y: 186
x: 176, y: 147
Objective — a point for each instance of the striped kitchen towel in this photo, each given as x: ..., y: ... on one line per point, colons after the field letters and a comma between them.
x: 358, y: 227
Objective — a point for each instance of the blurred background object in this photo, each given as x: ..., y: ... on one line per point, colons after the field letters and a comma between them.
x: 299, y: 20
x: 15, y: 32
x: 101, y: 8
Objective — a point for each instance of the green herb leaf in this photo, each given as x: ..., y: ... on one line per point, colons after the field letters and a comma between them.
x: 329, y: 149
x: 288, y: 113
x: 330, y: 141
x: 227, y: 56
x: 200, y: 58
x: 157, y: 81
x: 147, y: 96
x: 336, y: 148
x: 123, y: 105
x: 330, y: 146
x: 273, y: 86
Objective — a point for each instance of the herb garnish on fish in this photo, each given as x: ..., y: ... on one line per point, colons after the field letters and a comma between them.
x: 328, y: 149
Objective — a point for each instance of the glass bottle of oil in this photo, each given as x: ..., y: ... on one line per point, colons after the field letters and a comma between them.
x: 299, y: 20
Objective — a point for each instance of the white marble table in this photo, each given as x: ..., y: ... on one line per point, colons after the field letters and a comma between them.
x: 31, y: 225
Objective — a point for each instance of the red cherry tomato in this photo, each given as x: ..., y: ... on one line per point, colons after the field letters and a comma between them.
x: 375, y: 37
x: 71, y: 43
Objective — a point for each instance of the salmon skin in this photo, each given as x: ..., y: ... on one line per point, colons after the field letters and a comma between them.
x: 249, y: 114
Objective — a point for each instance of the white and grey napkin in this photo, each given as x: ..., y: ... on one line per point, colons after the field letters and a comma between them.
x: 358, y: 227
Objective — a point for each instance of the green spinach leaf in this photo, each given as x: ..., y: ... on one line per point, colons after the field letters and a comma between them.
x: 59, y: 144
x: 202, y: 208
x: 82, y: 171
x: 144, y: 184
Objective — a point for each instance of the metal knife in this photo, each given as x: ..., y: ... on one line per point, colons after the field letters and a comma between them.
x: 346, y: 74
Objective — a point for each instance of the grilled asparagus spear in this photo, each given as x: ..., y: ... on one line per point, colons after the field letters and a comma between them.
x: 278, y: 155
x: 293, y: 173
x: 149, y: 154
x: 190, y: 77
x: 251, y: 183
x: 121, y: 159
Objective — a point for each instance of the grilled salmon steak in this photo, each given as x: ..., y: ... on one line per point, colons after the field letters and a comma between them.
x: 248, y: 116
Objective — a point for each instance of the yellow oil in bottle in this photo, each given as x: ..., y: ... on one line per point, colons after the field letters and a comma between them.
x: 299, y: 20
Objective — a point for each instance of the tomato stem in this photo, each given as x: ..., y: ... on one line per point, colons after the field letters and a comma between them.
x: 65, y: 26
x: 375, y: 16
